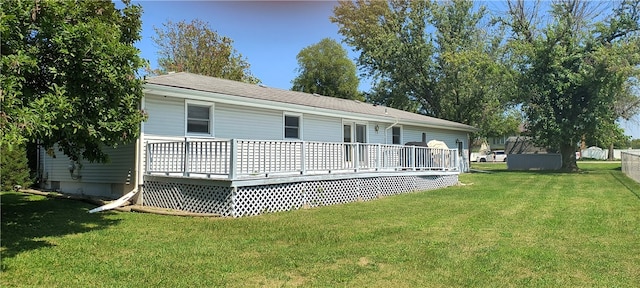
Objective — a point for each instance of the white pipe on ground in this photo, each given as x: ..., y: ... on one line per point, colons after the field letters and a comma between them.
x: 122, y: 200
x: 115, y: 204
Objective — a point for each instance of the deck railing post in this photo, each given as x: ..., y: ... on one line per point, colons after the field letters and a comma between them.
x: 378, y: 157
x: 233, y: 159
x: 303, y: 158
x: 185, y: 168
x: 356, y: 158
x: 412, y: 158
x: 148, y: 157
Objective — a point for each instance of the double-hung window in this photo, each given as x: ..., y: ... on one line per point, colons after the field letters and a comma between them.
x: 396, y: 133
x: 199, y: 118
x: 292, y: 126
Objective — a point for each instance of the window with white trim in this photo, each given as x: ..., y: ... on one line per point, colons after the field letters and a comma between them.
x: 292, y: 126
x: 396, y: 135
x: 199, y: 118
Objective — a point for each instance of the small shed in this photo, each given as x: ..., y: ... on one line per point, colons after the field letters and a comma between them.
x: 522, y: 145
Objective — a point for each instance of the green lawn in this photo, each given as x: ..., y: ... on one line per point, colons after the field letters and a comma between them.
x: 501, y: 229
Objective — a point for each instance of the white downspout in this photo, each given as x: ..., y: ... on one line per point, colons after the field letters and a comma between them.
x: 386, y: 140
x: 137, y: 178
x: 139, y: 156
x: 137, y: 165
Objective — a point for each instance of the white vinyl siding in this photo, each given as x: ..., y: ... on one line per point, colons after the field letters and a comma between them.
x: 247, y: 123
x: 449, y: 137
x: 121, y: 159
x: 377, y: 136
x: 322, y: 128
x: 414, y: 134
x: 166, y: 116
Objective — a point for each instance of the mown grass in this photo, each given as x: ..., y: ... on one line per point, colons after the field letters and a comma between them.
x: 501, y: 229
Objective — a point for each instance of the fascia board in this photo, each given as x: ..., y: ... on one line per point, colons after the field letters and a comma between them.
x: 252, y: 102
x: 178, y: 92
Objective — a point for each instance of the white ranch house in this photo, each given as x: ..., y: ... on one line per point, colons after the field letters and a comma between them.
x: 218, y: 146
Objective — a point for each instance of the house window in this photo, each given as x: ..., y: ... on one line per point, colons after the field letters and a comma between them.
x: 292, y: 126
x: 396, y: 135
x: 199, y: 118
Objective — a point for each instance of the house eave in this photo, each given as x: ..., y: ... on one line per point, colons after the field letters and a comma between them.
x: 186, y: 93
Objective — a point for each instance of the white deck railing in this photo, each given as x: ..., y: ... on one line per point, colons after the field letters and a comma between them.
x: 235, y: 158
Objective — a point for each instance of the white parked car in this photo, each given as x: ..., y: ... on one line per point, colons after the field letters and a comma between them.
x: 493, y: 156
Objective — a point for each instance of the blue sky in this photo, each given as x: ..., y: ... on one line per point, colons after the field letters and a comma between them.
x: 268, y: 34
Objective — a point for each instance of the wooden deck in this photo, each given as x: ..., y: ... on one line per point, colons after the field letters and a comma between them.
x: 249, y: 177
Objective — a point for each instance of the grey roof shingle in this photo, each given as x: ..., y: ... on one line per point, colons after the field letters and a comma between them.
x: 229, y: 87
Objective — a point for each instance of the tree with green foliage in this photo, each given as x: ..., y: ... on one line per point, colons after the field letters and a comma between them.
x: 626, y: 106
x: 14, y: 169
x: 473, y: 79
x: 193, y: 47
x: 574, y: 70
x: 325, y: 68
x: 69, y: 75
x: 607, y: 135
x: 434, y: 58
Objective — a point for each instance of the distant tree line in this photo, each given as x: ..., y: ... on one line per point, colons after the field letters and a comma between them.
x: 567, y: 76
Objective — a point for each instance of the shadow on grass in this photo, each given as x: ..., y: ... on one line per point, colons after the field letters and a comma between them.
x: 27, y: 218
x: 618, y: 176
x: 625, y: 181
x: 534, y: 172
x: 583, y: 170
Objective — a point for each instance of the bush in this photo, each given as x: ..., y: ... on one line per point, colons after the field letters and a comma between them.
x: 14, y: 168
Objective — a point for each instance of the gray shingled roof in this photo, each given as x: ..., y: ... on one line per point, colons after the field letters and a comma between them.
x: 229, y: 87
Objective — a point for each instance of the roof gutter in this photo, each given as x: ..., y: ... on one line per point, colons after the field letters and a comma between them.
x: 187, y: 93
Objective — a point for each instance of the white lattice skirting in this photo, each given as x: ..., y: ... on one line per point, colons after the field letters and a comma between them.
x: 206, y: 196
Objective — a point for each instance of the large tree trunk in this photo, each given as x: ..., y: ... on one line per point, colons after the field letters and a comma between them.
x: 568, y: 152
x: 610, y: 156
